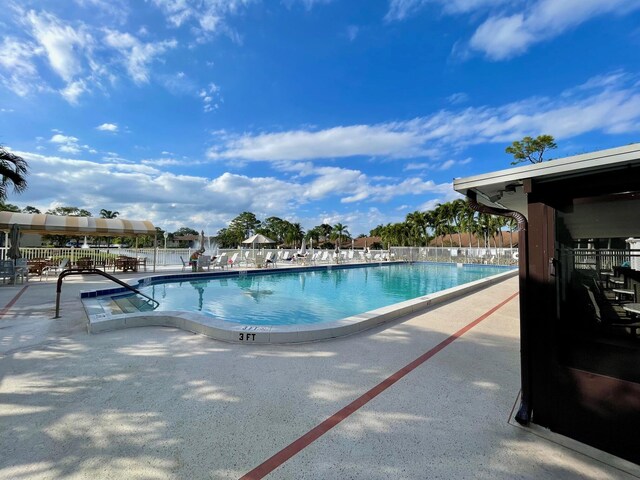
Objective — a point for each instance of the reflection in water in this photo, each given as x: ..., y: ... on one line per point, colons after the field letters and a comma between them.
x: 315, y: 296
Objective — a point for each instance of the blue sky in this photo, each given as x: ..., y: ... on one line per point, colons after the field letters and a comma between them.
x: 188, y: 112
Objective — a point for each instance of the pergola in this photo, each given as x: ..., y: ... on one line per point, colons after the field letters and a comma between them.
x: 63, y: 225
x: 72, y: 226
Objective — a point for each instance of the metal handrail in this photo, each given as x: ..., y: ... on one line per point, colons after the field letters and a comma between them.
x: 84, y: 271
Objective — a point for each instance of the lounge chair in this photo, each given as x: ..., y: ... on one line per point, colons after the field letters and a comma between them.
x: 184, y: 264
x: 220, y: 262
x: 233, y: 261
x: 270, y: 260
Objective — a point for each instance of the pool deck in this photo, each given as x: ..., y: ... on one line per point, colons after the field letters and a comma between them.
x: 426, y: 396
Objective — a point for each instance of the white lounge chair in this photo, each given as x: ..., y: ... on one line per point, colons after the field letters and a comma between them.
x: 220, y: 262
x: 270, y: 260
x: 233, y: 261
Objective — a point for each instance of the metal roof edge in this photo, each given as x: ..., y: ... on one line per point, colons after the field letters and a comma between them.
x: 571, y: 164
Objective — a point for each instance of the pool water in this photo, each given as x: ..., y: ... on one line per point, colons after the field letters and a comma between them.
x: 309, y: 297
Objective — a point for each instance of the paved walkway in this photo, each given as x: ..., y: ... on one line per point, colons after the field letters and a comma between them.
x: 160, y: 403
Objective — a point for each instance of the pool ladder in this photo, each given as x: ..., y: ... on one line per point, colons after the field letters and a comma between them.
x: 95, y: 271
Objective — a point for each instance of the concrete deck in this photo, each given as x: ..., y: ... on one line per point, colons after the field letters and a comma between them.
x: 162, y: 403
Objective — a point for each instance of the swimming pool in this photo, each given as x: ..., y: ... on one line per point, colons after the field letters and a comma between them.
x: 287, y: 306
x: 309, y: 297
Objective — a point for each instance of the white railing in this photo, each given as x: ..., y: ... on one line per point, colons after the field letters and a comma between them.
x: 248, y: 256
x: 496, y: 256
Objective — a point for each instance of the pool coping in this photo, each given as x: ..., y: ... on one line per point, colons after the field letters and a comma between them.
x: 99, y: 321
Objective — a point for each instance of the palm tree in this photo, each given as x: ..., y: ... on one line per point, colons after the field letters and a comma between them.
x: 457, y: 216
x: 338, y: 231
x: 418, y: 223
x: 108, y: 213
x: 13, y: 170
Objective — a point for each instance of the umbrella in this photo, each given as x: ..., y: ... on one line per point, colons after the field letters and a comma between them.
x: 303, y: 247
x: 14, y: 238
x: 202, y: 241
x: 256, y: 240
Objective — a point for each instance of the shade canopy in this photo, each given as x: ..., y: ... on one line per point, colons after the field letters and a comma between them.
x: 257, y: 239
x: 64, y: 225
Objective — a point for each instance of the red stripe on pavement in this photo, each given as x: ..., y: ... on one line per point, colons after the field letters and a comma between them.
x: 4, y: 311
x: 312, y: 435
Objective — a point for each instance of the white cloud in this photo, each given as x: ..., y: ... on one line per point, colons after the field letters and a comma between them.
x: 458, y: 98
x: 69, y: 144
x: 211, y: 97
x: 377, y: 140
x: 62, y: 43
x: 16, y: 62
x: 58, y: 138
x: 308, y: 4
x: 73, y: 90
x: 401, y: 9
x: 108, y: 127
x: 206, y: 17
x: 352, y: 32
x: 608, y: 103
x: 503, y: 36
x: 144, y: 191
x: 137, y: 55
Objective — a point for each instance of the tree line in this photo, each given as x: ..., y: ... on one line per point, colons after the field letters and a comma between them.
x: 453, y: 223
x: 281, y: 231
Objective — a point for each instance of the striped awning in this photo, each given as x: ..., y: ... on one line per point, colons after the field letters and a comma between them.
x: 62, y: 225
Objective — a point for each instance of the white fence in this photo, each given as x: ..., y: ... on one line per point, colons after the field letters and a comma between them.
x: 174, y: 256
x: 497, y: 256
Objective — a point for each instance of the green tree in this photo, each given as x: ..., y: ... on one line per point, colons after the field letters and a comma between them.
x: 245, y: 223
x: 61, y: 240
x: 108, y: 213
x: 70, y: 212
x: 30, y: 209
x: 531, y: 149
x: 13, y: 170
x: 340, y: 231
x: 417, y: 222
x: 8, y: 207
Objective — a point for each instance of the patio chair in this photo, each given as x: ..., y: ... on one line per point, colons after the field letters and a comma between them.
x: 54, y: 268
x: 21, y: 270
x: 204, y: 261
x: 605, y: 316
x: 184, y: 264
x: 6, y: 270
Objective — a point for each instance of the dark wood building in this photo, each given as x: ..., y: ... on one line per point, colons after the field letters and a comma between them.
x: 579, y: 291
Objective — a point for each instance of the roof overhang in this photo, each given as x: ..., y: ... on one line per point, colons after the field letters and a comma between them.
x: 64, y: 225
x: 504, y: 188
